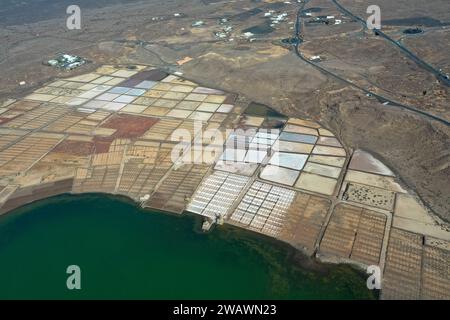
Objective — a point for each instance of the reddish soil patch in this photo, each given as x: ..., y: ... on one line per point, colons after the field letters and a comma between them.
x: 102, y: 144
x: 129, y: 126
x: 4, y: 120
x: 76, y: 148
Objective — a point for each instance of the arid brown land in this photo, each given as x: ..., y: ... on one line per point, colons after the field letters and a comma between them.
x: 268, y: 72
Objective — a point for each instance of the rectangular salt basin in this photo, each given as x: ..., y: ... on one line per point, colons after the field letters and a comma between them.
x: 72, y: 85
x: 279, y: 175
x: 179, y: 113
x: 40, y: 97
x: 364, y: 161
x: 136, y: 92
x: 114, y: 106
x: 299, y: 129
x: 258, y: 146
x: 233, y: 155
x: 182, y: 88
x: 119, y: 90
x: 315, y: 183
x: 325, y: 132
x: 125, y: 99
x: 374, y: 180
x: 262, y: 141
x: 295, y: 137
x: 85, y: 77
x: 76, y: 102
x: 114, y: 81
x: 87, y: 86
x: 207, y: 90
x: 102, y: 80
x: 95, y: 104
x: 85, y: 110
x: 289, y: 160
x: 134, y: 108
x: 241, y: 168
x: 255, y: 156
x: 188, y: 105
x: 102, y: 88
x: 267, y: 134
x: 209, y: 107
x: 196, y: 97
x: 322, y: 170
x: 165, y: 103
x: 124, y: 73
x: 218, y: 117
x: 147, y: 84
x: 225, y: 108
x: 200, y: 116
x: 332, y: 151
x: 295, y: 147
x: 215, y: 99
x: 253, y: 121
x: 89, y: 94
x: 173, y: 95
x: 238, y: 141
x: 61, y: 99
x: 328, y: 160
x: 169, y: 78
x: 156, y: 111
x: 108, y: 96
x: 329, y: 141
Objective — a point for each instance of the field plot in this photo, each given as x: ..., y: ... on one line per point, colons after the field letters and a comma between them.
x: 354, y: 233
x: 403, y: 266
x: 306, y: 157
x: 415, y: 270
x: 38, y: 117
x: 177, y: 188
x: 304, y: 221
x: 263, y: 208
x: 8, y: 136
x: 217, y: 194
x: 145, y: 165
x: 103, y: 172
x: 96, y: 179
x: 23, y: 154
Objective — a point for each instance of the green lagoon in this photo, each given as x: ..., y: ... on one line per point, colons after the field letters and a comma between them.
x: 125, y: 252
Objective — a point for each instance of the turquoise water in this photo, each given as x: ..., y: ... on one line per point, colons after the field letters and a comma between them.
x: 125, y: 252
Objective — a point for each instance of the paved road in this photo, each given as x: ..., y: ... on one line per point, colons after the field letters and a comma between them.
x: 298, y: 37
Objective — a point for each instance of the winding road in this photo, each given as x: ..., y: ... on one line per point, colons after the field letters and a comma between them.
x: 442, y: 77
x: 298, y: 39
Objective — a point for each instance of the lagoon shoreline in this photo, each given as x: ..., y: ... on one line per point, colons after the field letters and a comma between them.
x: 288, y: 257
